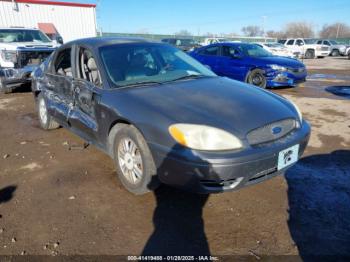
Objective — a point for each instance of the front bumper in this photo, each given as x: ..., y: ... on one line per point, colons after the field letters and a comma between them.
x: 222, y: 172
x: 322, y: 53
x: 13, y: 77
x: 278, y: 79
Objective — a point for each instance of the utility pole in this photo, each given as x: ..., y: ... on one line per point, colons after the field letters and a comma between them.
x: 99, y: 28
x: 338, y: 29
x: 263, y: 26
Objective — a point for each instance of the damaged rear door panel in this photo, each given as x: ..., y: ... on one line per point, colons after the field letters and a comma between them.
x: 87, y: 92
x: 83, y: 116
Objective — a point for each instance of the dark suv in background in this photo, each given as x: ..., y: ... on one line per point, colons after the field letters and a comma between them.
x: 185, y: 44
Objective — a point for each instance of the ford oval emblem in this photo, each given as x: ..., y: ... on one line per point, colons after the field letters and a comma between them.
x: 276, y: 130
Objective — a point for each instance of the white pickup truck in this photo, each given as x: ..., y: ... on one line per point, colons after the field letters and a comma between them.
x: 306, y: 47
x: 213, y: 40
x: 21, y: 51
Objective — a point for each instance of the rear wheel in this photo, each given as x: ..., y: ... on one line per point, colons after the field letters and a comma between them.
x: 134, y: 162
x: 310, y: 54
x: 256, y: 77
x: 46, y: 121
x: 335, y: 52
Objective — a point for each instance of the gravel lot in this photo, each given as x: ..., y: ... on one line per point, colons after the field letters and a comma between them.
x: 56, y: 201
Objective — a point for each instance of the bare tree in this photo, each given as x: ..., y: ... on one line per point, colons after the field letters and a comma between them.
x: 183, y: 32
x: 276, y: 34
x: 336, y: 30
x: 252, y: 30
x: 300, y: 29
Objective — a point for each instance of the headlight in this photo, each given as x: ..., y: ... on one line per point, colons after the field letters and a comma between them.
x: 9, y: 56
x: 278, y: 67
x: 298, y: 111
x: 202, y: 137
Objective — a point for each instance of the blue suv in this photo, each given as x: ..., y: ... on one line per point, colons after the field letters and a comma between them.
x: 252, y: 64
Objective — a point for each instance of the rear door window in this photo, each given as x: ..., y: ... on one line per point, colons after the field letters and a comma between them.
x: 62, y: 65
x: 87, y: 67
x: 299, y: 42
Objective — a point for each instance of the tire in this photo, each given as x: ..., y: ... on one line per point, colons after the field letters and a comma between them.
x: 45, y: 120
x: 335, y: 52
x: 133, y: 159
x: 310, y: 54
x: 256, y: 77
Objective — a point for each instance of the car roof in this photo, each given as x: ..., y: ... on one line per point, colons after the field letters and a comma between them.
x: 234, y: 43
x: 17, y: 28
x: 104, y: 41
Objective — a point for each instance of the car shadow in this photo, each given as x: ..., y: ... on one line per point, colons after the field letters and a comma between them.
x: 319, y: 204
x: 6, y: 193
x: 178, y: 222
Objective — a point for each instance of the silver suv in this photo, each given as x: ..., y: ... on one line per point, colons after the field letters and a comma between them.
x: 336, y: 49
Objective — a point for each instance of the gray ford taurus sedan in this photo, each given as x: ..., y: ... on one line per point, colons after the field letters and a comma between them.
x: 164, y: 117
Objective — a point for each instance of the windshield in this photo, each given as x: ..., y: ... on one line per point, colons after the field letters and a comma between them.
x: 253, y: 50
x: 132, y: 64
x: 333, y: 42
x: 275, y: 45
x: 17, y: 35
x: 185, y: 42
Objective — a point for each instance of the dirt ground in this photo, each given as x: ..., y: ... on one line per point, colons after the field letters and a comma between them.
x: 56, y: 201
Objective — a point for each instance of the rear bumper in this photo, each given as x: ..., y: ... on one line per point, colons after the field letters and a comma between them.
x: 226, y: 173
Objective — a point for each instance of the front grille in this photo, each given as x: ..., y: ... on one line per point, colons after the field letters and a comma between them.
x: 271, y: 132
x: 28, y: 58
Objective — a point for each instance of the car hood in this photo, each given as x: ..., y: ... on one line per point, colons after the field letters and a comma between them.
x: 278, y: 60
x: 26, y: 45
x: 220, y: 102
x: 340, y: 46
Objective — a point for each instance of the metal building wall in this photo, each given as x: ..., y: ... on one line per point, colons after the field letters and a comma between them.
x: 72, y: 22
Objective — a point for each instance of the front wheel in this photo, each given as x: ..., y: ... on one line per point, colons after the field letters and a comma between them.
x: 45, y: 120
x: 310, y: 54
x: 256, y: 77
x: 133, y: 159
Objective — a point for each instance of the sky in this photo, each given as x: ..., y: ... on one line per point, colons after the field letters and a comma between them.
x: 220, y: 16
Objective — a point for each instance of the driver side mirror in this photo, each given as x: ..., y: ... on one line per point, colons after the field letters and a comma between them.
x: 59, y: 39
x: 300, y: 44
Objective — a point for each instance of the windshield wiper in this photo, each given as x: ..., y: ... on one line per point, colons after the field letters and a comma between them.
x: 187, y: 77
x: 142, y: 83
